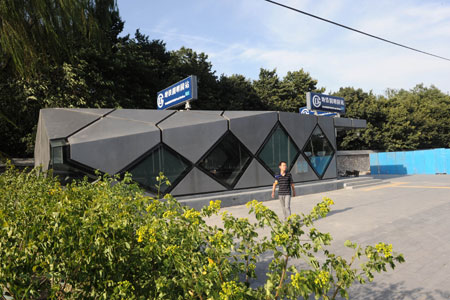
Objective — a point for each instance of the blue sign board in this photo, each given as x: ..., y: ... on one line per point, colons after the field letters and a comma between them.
x: 321, y: 102
x: 306, y: 111
x: 325, y: 114
x: 178, y: 93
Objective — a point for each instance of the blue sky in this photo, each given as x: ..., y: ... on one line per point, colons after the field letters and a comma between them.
x: 241, y: 36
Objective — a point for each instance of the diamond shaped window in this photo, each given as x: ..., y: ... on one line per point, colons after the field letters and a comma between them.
x: 162, y: 159
x: 319, y: 151
x: 279, y: 147
x: 227, y: 160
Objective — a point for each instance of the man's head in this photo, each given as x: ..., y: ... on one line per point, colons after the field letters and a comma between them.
x: 283, y: 166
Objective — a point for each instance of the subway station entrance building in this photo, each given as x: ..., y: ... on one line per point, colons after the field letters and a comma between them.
x: 199, y: 151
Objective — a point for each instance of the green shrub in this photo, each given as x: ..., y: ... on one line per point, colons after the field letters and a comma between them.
x: 106, y: 240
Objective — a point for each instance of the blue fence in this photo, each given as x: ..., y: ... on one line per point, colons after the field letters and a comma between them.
x: 411, y: 162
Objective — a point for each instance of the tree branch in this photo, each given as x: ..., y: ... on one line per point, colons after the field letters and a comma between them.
x: 282, y: 276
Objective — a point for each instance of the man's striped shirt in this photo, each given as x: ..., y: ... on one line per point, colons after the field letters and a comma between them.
x: 284, y: 183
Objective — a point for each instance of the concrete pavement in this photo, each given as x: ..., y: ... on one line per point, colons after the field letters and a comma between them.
x: 410, y: 212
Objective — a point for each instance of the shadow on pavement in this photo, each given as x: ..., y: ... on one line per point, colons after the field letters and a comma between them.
x: 382, y: 291
x: 337, y: 211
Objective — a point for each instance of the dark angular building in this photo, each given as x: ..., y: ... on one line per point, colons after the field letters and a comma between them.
x: 199, y: 151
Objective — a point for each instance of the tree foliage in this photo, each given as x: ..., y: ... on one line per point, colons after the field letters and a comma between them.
x: 401, y: 120
x: 108, y: 241
x: 33, y: 33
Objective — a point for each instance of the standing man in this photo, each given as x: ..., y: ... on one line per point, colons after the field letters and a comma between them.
x: 285, y: 183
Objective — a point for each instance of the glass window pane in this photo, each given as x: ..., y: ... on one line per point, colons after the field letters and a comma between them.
x: 67, y: 173
x: 57, y: 155
x: 56, y: 151
x: 227, y: 160
x: 64, y: 170
x: 301, y: 166
x: 161, y: 160
x: 278, y: 148
x: 319, y: 151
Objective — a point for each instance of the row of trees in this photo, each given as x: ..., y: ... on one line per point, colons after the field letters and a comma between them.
x: 401, y: 120
x: 84, y: 62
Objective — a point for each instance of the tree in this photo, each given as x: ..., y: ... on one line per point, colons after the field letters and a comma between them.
x: 185, y: 62
x: 268, y: 87
x: 294, y: 86
x: 134, y: 72
x: 417, y: 119
x: 20, y: 115
x: 401, y: 120
x: 237, y: 93
x: 287, y: 94
x: 40, y: 32
x: 43, y: 62
x: 362, y: 105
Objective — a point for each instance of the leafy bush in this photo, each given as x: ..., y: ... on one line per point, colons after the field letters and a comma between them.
x: 106, y: 240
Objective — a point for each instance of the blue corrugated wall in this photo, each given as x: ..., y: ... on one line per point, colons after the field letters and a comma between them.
x: 411, y: 162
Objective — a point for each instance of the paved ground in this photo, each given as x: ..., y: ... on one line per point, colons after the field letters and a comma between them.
x: 411, y: 212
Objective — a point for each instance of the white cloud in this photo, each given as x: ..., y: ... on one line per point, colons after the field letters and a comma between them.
x: 370, y: 70
x: 260, y: 34
x: 352, y: 59
x: 186, y: 39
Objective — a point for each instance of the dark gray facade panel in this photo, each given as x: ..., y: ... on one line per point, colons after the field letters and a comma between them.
x: 197, y: 182
x: 342, y: 122
x: 114, y: 154
x: 245, y: 113
x: 211, y: 112
x: 95, y: 111
x: 107, y: 128
x: 359, y: 123
x: 187, y: 118
x: 111, y: 143
x: 192, y: 134
x: 255, y: 175
x: 251, y: 128
x: 142, y: 115
x: 302, y: 171
x: 42, y: 146
x: 327, y: 125
x: 61, y: 123
x: 331, y: 170
x: 298, y: 126
x: 195, y: 140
